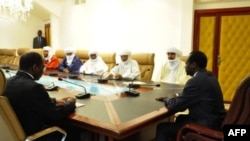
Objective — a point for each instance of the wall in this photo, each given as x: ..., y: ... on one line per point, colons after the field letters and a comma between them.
x: 138, y: 25
x: 15, y: 35
x: 109, y: 25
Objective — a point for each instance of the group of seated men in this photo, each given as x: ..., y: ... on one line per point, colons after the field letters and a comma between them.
x: 171, y: 71
x: 35, y: 109
x: 126, y: 68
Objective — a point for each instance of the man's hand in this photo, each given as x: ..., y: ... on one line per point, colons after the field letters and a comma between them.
x: 70, y: 99
x: 110, y: 76
x: 161, y: 99
x: 118, y: 76
x: 66, y: 70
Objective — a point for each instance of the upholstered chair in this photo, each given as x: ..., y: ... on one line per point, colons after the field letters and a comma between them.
x: 146, y: 64
x: 237, y: 114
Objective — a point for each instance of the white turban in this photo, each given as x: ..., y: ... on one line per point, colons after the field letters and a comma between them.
x: 93, y: 52
x: 174, y: 50
x: 50, y: 53
x: 70, y: 50
x: 47, y: 48
x: 125, y: 52
x: 71, y: 57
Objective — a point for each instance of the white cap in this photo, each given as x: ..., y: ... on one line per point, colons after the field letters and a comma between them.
x: 125, y: 52
x: 48, y: 48
x: 93, y: 52
x: 70, y: 50
x: 174, y: 50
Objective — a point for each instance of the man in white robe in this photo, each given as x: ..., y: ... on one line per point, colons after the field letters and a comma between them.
x: 173, y: 69
x: 94, y: 65
x: 127, y: 68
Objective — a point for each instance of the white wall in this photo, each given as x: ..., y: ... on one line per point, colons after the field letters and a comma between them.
x: 109, y: 25
x: 138, y: 25
x: 16, y: 34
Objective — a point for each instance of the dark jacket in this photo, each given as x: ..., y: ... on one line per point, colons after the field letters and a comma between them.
x: 39, y: 44
x: 203, y: 97
x: 32, y: 104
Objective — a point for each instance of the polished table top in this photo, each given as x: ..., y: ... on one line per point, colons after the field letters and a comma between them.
x: 109, y: 111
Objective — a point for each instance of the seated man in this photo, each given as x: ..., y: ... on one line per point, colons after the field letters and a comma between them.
x: 32, y: 104
x: 94, y: 65
x: 173, y: 70
x: 202, y: 95
x: 71, y: 63
x: 127, y: 68
x: 50, y: 59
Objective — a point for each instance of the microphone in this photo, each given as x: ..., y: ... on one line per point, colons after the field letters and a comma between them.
x: 139, y: 85
x: 130, y: 92
x: 83, y: 95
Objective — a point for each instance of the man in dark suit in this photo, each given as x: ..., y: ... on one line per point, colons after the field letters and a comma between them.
x: 39, y: 41
x: 32, y: 104
x: 201, y: 95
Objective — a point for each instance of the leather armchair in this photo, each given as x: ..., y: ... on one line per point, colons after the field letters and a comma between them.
x: 146, y: 64
x: 83, y: 55
x: 20, y: 52
x: 109, y: 59
x: 11, y: 128
x: 60, y: 54
x: 237, y: 114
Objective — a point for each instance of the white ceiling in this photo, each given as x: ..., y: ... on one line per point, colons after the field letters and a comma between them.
x: 40, y: 11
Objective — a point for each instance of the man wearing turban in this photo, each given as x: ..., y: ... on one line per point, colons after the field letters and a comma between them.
x: 94, y: 65
x: 173, y: 70
x: 71, y: 63
x: 50, y: 59
x: 127, y: 68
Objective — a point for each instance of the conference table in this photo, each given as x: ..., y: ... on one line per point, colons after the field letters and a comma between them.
x: 109, y: 112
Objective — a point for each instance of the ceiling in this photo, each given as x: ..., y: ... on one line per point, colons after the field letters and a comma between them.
x: 39, y: 11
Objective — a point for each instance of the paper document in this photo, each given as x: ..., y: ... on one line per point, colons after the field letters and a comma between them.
x: 79, y: 104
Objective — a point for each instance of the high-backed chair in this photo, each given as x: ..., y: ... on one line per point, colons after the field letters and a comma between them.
x: 2, y: 55
x: 11, y: 56
x: 146, y: 64
x: 11, y: 129
x: 83, y: 55
x: 184, y: 58
x: 38, y: 50
x: 60, y: 54
x: 2, y: 81
x: 109, y: 59
x: 238, y: 114
x: 20, y: 52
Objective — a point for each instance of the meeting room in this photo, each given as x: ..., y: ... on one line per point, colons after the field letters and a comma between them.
x: 122, y: 70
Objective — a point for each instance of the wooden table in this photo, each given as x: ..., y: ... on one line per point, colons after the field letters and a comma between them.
x: 117, y: 116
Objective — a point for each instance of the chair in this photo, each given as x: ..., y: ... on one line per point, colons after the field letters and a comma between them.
x: 184, y: 58
x: 2, y: 81
x: 11, y: 56
x: 20, y: 52
x: 83, y: 55
x: 11, y: 129
x: 60, y: 54
x: 146, y: 64
x: 38, y: 50
x: 109, y: 59
x: 237, y: 114
x: 2, y: 55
